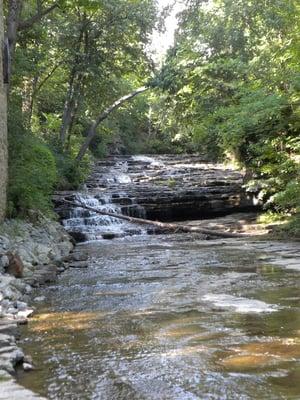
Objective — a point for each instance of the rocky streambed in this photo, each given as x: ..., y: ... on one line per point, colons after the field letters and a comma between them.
x: 30, y: 256
x: 144, y: 316
x: 170, y: 317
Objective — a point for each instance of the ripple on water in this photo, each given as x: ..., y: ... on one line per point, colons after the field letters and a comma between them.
x: 179, y: 320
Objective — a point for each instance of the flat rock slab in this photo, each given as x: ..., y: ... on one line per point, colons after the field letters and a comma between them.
x: 10, y: 390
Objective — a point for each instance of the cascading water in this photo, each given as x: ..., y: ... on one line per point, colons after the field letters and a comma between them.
x: 86, y: 225
x: 170, y: 317
x: 89, y: 223
x: 160, y: 188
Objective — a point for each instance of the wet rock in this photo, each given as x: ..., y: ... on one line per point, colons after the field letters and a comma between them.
x: 28, y: 367
x: 4, y: 262
x: 8, y: 350
x: 25, y: 313
x: 8, y: 327
x: 109, y: 235
x: 12, y: 354
x: 11, y: 390
x: 39, y: 299
x: 28, y: 359
x: 11, y: 311
x: 79, y: 237
x: 78, y: 264
x: 11, y: 294
x: 4, y: 242
x: 158, y: 188
x: 60, y: 270
x: 45, y: 274
x: 7, y: 366
x: 20, y: 305
x: 76, y: 256
x: 6, y: 340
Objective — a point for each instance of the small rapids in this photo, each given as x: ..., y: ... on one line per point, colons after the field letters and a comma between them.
x: 165, y: 317
x: 94, y: 226
x: 166, y: 188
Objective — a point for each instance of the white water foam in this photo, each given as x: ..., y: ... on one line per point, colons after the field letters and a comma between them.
x: 239, y: 304
x: 149, y: 160
x: 93, y: 226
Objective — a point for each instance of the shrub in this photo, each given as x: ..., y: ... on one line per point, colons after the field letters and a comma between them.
x: 32, y: 175
x: 70, y: 173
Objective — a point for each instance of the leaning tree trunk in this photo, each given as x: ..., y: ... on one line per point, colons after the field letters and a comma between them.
x: 175, y: 228
x: 3, y: 123
x: 92, y: 130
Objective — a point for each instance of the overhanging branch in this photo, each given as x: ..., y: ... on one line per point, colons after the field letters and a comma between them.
x: 35, y: 18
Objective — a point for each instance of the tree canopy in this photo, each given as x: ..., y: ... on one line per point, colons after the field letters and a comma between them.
x: 229, y: 87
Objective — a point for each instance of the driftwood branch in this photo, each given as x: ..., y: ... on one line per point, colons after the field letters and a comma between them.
x: 171, y: 227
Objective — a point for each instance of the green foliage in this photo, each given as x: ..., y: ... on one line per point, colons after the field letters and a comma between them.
x: 271, y: 217
x: 289, y: 197
x: 292, y: 228
x: 67, y: 68
x: 32, y: 175
x: 231, y: 87
x: 70, y: 174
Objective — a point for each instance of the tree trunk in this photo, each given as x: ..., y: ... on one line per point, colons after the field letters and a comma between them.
x: 92, y: 130
x: 13, y: 21
x: 73, y: 93
x: 66, y: 117
x: 3, y: 124
x: 70, y: 107
x: 169, y: 227
x: 14, y: 24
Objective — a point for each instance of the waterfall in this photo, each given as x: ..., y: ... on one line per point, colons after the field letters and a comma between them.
x: 166, y: 188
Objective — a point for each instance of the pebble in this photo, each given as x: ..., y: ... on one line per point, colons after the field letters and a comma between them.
x: 28, y: 367
x: 28, y: 359
x: 26, y: 313
x: 21, y: 306
x: 39, y: 299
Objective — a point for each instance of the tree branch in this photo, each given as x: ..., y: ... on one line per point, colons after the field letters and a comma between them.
x: 175, y: 228
x: 35, y: 18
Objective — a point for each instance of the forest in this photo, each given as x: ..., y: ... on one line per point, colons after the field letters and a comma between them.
x: 229, y: 87
x: 149, y: 199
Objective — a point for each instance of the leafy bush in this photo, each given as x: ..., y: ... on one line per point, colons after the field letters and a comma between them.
x: 32, y: 175
x: 70, y: 174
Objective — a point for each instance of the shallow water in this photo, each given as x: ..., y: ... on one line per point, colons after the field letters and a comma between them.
x: 170, y: 317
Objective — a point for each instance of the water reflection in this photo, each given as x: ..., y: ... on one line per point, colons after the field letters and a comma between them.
x: 138, y: 324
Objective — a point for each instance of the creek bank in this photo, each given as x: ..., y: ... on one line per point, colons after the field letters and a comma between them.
x: 30, y: 255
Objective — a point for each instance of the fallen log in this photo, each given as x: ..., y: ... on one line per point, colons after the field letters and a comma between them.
x: 172, y: 227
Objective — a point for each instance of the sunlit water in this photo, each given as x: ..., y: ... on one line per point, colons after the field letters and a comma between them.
x: 169, y: 317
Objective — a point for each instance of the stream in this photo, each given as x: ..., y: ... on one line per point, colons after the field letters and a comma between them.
x: 160, y: 316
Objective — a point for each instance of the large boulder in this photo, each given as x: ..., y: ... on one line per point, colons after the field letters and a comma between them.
x: 15, y: 265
